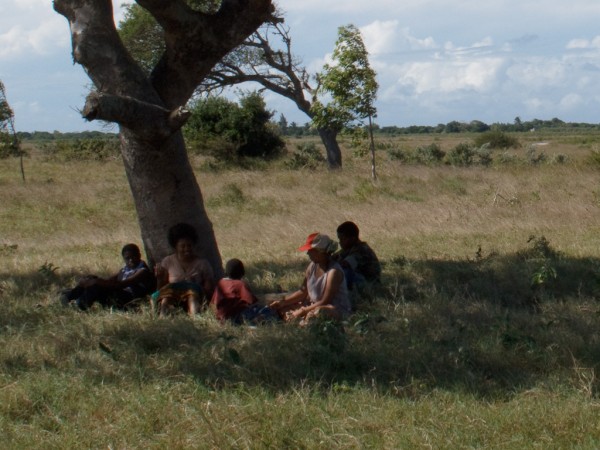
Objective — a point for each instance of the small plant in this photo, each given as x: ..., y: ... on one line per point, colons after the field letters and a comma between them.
x: 533, y: 157
x: 543, y: 275
x: 560, y: 158
x: 308, y: 156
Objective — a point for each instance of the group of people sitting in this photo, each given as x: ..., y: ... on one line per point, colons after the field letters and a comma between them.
x: 185, y: 281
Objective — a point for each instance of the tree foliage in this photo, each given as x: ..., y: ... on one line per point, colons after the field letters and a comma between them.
x: 350, y: 85
x: 348, y: 81
x: 9, y: 144
x: 227, y: 130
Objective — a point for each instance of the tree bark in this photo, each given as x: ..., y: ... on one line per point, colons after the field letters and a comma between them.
x: 150, y: 110
x: 332, y: 148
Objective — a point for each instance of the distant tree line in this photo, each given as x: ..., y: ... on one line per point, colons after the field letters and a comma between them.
x: 293, y: 129
x: 477, y: 126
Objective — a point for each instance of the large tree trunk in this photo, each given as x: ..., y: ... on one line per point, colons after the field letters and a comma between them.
x: 332, y: 148
x: 165, y: 192
x: 149, y: 110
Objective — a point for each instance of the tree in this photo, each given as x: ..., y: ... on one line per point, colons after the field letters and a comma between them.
x: 228, y: 131
x: 351, y: 84
x: 9, y: 141
x: 149, y: 106
x: 265, y: 57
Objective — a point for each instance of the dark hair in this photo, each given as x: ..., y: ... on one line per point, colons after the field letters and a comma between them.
x: 182, y: 231
x: 235, y: 269
x: 131, y: 248
x: 348, y: 229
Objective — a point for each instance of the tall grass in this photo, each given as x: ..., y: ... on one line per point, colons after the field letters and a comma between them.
x: 484, y: 332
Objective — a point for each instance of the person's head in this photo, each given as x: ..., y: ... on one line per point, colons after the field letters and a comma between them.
x: 183, y: 237
x: 347, y: 234
x: 131, y: 255
x: 234, y: 269
x: 319, y: 247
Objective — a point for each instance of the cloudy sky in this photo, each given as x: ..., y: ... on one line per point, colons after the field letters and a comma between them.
x: 436, y: 60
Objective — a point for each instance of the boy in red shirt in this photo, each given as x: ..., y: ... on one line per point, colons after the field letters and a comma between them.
x: 232, y: 296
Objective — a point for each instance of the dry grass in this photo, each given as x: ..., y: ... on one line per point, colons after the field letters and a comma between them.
x: 457, y: 350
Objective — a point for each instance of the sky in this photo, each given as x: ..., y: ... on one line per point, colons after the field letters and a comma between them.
x: 436, y: 60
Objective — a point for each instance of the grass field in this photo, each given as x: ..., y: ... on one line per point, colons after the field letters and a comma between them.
x: 484, y: 334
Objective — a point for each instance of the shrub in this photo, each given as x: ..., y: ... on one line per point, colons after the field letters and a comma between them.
x: 533, y: 157
x: 429, y: 154
x: 559, y: 158
x: 308, y: 156
x: 496, y: 139
x: 461, y: 155
x: 484, y: 153
x: 398, y: 155
x: 228, y: 131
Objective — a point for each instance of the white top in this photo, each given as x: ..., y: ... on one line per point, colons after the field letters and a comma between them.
x: 316, y: 288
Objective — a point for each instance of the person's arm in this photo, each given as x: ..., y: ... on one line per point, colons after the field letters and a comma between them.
x: 162, y: 275
x: 288, y: 300
x: 334, y: 280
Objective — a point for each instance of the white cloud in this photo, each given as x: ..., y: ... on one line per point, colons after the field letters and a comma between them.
x: 446, y: 77
x: 584, y: 43
x: 31, y: 28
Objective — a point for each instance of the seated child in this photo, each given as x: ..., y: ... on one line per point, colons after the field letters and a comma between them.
x: 133, y: 281
x: 232, y: 295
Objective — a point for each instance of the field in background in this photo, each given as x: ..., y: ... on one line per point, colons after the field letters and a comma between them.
x: 484, y: 333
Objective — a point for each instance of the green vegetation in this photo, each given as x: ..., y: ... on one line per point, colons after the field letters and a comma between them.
x: 228, y: 131
x: 483, y: 333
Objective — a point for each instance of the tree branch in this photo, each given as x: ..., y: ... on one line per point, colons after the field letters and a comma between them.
x: 195, y: 42
x: 97, y: 47
x: 145, y: 119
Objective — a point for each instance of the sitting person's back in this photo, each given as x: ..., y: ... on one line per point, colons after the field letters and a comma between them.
x: 232, y: 295
x: 359, y: 261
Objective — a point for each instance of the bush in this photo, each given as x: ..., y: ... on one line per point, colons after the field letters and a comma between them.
x: 228, y: 131
x: 496, y: 139
x: 533, y: 157
x: 398, y: 155
x: 484, y: 153
x: 429, y: 154
x: 461, y: 155
x: 307, y: 157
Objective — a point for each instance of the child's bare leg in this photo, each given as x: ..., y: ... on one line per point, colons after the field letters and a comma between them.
x: 165, y: 306
x: 193, y: 303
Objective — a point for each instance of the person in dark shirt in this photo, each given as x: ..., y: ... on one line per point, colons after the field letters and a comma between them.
x: 134, y: 280
x: 358, y: 260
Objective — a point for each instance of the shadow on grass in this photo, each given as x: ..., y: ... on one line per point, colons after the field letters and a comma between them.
x: 491, y: 326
